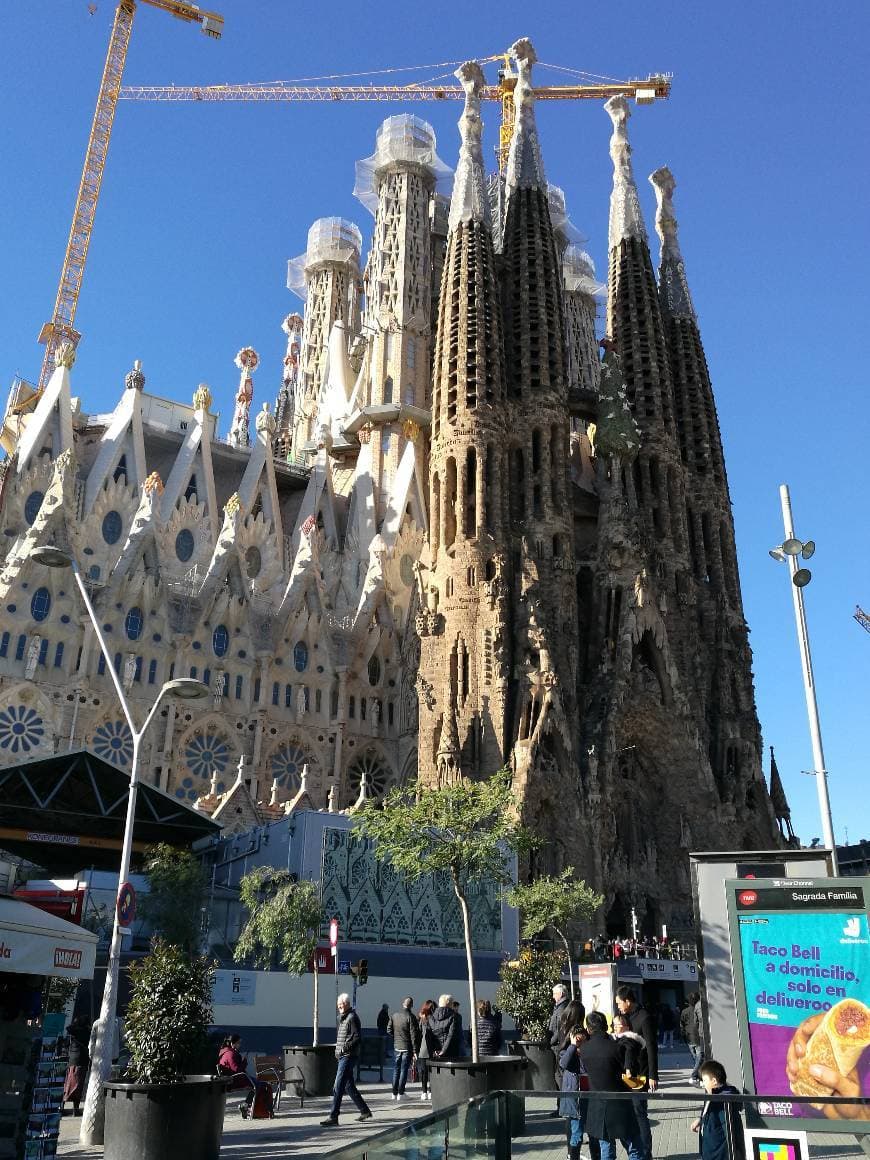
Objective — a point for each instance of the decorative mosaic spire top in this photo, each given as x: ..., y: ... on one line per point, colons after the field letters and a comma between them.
x: 626, y: 220
x: 674, y: 287
x: 469, y: 202
x: 525, y: 168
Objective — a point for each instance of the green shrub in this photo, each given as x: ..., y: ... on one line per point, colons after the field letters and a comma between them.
x: 167, y: 1021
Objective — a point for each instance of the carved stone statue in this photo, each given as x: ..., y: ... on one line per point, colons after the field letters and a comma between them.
x: 33, y: 657
x: 217, y: 687
x: 129, y: 671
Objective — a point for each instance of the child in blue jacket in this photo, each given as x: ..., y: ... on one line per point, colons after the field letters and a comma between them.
x: 718, y: 1119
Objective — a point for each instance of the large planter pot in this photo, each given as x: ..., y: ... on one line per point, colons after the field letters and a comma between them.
x: 165, y: 1121
x: 459, y: 1080
x: 541, y: 1072
x: 316, y: 1064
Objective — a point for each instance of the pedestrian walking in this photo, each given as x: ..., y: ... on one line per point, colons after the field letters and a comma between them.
x: 404, y: 1027
x: 488, y: 1029
x: 347, y: 1047
x: 572, y: 1106
x: 642, y: 1023
x: 608, y: 1120
x: 78, y: 1063
x: 691, y: 1033
x: 718, y: 1121
x: 428, y: 1044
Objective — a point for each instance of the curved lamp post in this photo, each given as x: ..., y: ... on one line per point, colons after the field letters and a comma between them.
x: 187, y: 689
x: 789, y: 550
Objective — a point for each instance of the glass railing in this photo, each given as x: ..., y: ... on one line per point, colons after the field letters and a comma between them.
x: 525, y: 1125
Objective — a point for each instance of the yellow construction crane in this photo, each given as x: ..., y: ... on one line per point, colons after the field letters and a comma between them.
x: 60, y: 329
x: 656, y: 86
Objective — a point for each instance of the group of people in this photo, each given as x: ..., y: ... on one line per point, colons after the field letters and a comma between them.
x: 596, y: 1060
x: 435, y: 1031
x: 603, y: 950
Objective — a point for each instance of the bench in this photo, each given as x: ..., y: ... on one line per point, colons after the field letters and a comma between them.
x: 372, y: 1055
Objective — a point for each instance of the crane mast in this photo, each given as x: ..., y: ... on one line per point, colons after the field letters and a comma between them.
x: 60, y: 328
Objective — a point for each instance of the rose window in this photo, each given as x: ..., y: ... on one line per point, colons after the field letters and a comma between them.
x: 21, y: 729
x: 113, y: 742
x: 207, y: 754
x: 287, y: 763
x: 378, y: 776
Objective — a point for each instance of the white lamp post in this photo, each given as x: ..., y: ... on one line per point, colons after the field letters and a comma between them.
x: 187, y: 689
x: 789, y: 550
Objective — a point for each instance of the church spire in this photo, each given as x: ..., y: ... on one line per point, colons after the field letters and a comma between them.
x: 674, y: 288
x: 626, y: 219
x: 470, y: 201
x: 525, y: 168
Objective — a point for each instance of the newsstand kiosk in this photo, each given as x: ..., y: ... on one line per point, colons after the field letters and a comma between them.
x: 34, y: 946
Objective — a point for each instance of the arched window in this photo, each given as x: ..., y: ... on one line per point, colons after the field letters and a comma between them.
x: 101, y: 665
x: 152, y: 672
x: 374, y: 671
x: 40, y: 605
x: 206, y: 677
x: 58, y: 655
x: 193, y: 672
x: 32, y: 505
x: 239, y: 687
x: 190, y: 493
x: 133, y: 623
x: 276, y: 693
x: 113, y: 525
x: 288, y: 696
x: 388, y: 389
x: 220, y: 641
x: 184, y: 545
x: 94, y: 572
x: 4, y: 644
x: 300, y: 656
x: 20, y: 646
x: 253, y: 562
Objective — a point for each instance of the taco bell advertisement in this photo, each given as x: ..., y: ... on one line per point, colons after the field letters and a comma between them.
x: 804, y: 959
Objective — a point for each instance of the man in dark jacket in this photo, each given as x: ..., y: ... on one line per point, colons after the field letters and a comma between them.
x: 691, y: 1033
x: 608, y: 1120
x: 644, y: 1025
x: 405, y: 1030
x: 347, y: 1047
x: 446, y: 1028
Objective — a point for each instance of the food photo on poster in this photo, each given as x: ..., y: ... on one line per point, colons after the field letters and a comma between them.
x: 805, y: 975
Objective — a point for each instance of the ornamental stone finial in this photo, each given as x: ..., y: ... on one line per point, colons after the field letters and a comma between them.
x: 469, y: 201
x: 202, y: 397
x: 65, y: 355
x: 626, y: 219
x: 153, y: 484
x: 525, y: 167
x: 233, y: 504
x: 674, y: 286
x: 135, y: 380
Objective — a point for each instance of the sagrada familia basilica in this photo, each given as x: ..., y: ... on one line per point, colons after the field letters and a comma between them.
x: 467, y: 534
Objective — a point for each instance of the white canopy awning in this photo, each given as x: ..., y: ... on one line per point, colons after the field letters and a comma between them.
x: 33, y: 942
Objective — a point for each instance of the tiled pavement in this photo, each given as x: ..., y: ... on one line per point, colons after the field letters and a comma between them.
x: 295, y: 1132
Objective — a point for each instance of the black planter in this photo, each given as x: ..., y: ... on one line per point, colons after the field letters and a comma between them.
x: 165, y: 1121
x: 541, y: 1072
x: 316, y: 1064
x: 459, y: 1080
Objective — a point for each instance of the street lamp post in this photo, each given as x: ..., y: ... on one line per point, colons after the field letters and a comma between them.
x: 789, y: 550
x: 187, y: 689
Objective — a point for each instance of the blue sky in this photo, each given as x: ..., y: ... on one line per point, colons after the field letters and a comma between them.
x: 766, y: 135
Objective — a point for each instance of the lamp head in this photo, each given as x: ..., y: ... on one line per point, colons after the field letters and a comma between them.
x: 777, y: 554
x: 802, y: 577
x: 51, y: 557
x: 186, y: 688
x: 792, y: 547
x: 808, y: 549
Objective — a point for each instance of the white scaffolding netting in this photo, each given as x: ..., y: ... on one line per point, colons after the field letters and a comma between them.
x: 330, y: 239
x: 562, y: 224
x: 578, y: 271
x: 404, y: 138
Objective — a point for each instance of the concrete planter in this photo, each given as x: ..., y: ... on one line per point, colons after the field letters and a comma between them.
x: 459, y: 1080
x: 165, y: 1121
x: 317, y: 1064
x: 541, y: 1072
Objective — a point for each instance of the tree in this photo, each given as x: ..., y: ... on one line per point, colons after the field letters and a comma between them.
x: 526, y: 991
x: 284, y: 920
x: 468, y: 829
x: 176, y: 896
x: 554, y: 903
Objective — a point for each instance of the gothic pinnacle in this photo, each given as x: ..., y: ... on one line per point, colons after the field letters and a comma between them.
x: 525, y: 168
x: 469, y: 201
x: 674, y: 287
x: 626, y: 219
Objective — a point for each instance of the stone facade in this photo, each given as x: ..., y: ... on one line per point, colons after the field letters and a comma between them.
x: 461, y: 540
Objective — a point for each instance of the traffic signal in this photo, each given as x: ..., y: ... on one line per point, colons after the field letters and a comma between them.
x: 362, y: 972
